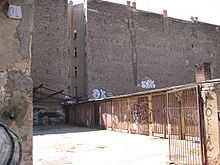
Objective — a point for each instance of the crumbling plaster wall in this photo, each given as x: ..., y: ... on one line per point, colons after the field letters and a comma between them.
x: 127, y: 47
x: 210, y: 94
x: 15, y: 80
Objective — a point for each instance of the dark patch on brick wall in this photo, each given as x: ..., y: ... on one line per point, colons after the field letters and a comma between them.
x: 132, y: 32
x: 12, y: 114
x: 15, y: 111
x: 4, y: 5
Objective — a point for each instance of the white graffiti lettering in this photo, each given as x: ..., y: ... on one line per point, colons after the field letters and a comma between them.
x: 147, y: 84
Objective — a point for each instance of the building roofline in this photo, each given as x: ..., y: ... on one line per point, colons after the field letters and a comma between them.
x: 78, y: 5
x: 150, y: 12
x: 179, y: 87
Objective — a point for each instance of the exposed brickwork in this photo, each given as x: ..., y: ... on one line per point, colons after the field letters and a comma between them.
x: 50, y: 59
x: 125, y: 46
x: 203, y: 72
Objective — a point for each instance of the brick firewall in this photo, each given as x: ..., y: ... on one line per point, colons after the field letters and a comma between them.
x: 50, y: 59
x: 127, y: 47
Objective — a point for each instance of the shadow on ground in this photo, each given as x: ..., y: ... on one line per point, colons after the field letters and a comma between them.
x: 58, y: 129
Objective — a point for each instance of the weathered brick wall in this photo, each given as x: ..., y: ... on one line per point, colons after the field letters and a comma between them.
x: 129, y: 50
x: 77, y: 16
x: 15, y: 82
x: 50, y: 59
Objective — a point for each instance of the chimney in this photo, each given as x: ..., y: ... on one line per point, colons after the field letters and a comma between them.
x: 196, y: 19
x: 192, y: 19
x: 134, y: 5
x: 203, y: 72
x: 165, y: 13
x: 70, y: 2
x: 128, y: 3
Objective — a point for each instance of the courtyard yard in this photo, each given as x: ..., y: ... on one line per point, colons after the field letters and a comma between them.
x: 65, y: 144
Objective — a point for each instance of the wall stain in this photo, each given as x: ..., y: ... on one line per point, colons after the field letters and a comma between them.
x: 15, y: 105
x: 133, y: 41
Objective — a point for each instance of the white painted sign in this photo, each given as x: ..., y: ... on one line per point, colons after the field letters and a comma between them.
x: 14, y: 12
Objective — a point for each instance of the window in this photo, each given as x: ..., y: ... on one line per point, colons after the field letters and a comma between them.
x: 75, y: 52
x: 68, y: 52
x: 85, y: 30
x: 68, y: 69
x: 75, y: 71
x: 75, y: 34
x: 69, y: 33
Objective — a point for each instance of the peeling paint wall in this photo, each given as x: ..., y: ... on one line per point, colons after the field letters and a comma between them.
x: 210, y: 95
x: 15, y: 79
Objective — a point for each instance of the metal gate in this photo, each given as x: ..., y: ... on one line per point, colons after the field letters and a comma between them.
x: 119, y: 115
x: 159, y: 109
x: 185, y: 142
x: 139, y: 115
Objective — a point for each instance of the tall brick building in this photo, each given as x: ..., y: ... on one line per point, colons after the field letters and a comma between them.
x: 50, y: 58
x: 99, y: 48
x: 119, y: 49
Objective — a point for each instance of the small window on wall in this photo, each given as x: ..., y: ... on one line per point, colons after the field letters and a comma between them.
x: 75, y: 52
x: 75, y: 71
x: 69, y: 33
x: 75, y: 34
x: 85, y: 30
x: 68, y: 52
x: 75, y: 91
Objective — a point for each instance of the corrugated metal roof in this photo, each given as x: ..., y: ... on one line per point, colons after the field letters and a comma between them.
x: 214, y: 81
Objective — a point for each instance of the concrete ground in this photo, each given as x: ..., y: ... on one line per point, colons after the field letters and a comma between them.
x: 63, y: 144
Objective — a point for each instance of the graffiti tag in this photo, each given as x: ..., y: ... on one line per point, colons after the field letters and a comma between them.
x: 147, y: 84
x: 140, y: 114
x: 98, y: 93
x: 208, y: 113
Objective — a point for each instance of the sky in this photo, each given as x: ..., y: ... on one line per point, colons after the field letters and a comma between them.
x: 206, y: 10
